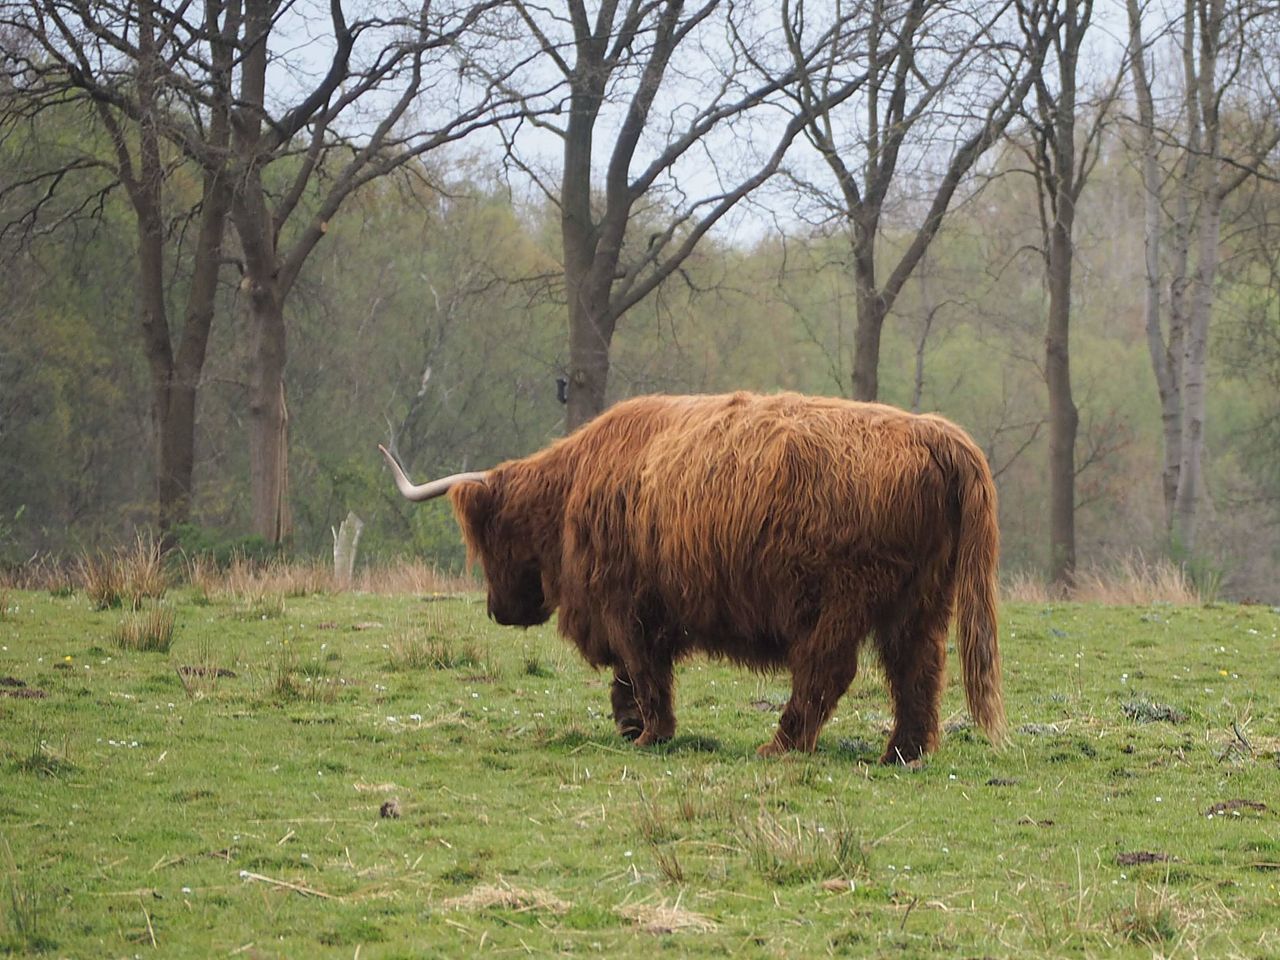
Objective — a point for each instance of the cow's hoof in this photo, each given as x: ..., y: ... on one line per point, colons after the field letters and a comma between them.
x: 912, y: 760
x: 771, y: 749
x: 648, y: 739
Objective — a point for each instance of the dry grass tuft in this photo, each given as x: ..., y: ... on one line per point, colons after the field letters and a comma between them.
x: 1024, y: 586
x: 414, y: 577
x: 505, y: 896
x: 1136, y: 581
x: 663, y: 918
x: 412, y: 650
x: 1152, y: 920
x: 126, y: 575
x: 1131, y: 580
x: 200, y: 677
x: 790, y: 852
x: 103, y: 581
x: 246, y: 582
x: 150, y: 631
x: 43, y: 571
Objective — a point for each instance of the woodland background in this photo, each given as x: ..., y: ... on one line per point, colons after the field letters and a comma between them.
x: 434, y: 308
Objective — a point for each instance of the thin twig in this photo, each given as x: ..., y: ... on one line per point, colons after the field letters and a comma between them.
x: 151, y: 932
x: 295, y: 887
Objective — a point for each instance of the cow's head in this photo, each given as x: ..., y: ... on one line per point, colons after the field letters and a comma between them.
x: 500, y: 530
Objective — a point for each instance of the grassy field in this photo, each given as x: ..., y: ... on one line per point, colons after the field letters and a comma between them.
x: 351, y: 775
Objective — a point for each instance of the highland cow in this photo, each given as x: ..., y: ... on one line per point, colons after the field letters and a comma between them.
x: 773, y: 531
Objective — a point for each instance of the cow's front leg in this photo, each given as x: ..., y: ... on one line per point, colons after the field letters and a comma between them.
x: 643, y: 664
x: 626, y: 712
x: 651, y: 694
x: 642, y: 697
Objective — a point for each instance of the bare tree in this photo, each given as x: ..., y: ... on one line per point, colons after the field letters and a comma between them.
x: 126, y: 70
x: 1202, y: 159
x: 1061, y: 164
x: 943, y: 79
x: 619, y: 77
x: 280, y: 157
x: 380, y: 66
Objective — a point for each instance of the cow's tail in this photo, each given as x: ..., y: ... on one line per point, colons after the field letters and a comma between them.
x: 976, y: 560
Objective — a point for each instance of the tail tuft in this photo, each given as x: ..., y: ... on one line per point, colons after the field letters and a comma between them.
x: 977, y: 559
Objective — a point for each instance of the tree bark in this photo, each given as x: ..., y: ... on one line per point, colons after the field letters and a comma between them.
x: 590, y: 338
x: 1166, y: 367
x: 1209, y: 15
x: 1062, y: 170
x: 268, y: 415
x: 264, y: 296
x: 866, y: 345
x: 1063, y: 416
x: 175, y: 374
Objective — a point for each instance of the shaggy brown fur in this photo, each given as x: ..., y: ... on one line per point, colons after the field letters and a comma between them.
x: 775, y: 531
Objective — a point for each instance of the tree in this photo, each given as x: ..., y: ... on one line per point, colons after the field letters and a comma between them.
x: 617, y: 76
x: 943, y: 79
x: 406, y: 56
x: 198, y: 81
x: 1061, y: 167
x: 129, y: 72
x: 1203, y: 159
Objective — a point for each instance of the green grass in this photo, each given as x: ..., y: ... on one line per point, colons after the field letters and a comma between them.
x: 233, y: 806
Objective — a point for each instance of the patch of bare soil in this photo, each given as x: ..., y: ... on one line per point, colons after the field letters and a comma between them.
x: 203, y: 671
x: 1141, y: 856
x: 18, y: 689
x: 1032, y: 822
x: 1236, y: 808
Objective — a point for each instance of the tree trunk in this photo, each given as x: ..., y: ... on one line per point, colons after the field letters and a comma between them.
x: 589, y: 340
x: 1166, y: 367
x: 1190, y: 486
x: 871, y: 311
x: 866, y: 348
x: 176, y: 432
x: 172, y: 412
x: 268, y: 417
x: 1063, y: 416
x: 1196, y: 349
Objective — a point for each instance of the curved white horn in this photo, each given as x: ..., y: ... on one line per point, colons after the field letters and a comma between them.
x: 427, y: 491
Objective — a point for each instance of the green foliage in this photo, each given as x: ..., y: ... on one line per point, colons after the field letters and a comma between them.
x: 25, y: 916
x: 435, y: 318
x: 222, y: 549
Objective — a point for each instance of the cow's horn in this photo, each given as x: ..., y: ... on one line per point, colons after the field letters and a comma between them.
x: 427, y: 491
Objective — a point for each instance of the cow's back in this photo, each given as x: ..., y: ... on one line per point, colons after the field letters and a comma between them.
x: 742, y: 511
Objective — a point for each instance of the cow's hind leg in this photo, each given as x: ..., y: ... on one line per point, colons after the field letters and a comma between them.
x: 821, y: 670
x: 914, y: 652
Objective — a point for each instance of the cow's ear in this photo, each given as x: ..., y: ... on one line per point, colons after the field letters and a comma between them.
x: 474, y: 504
